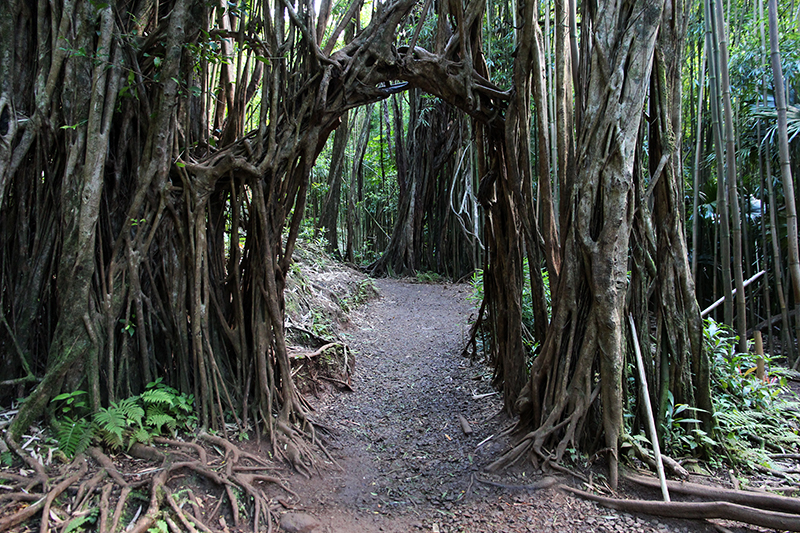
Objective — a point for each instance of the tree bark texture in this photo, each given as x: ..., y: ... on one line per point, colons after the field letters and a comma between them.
x: 586, y: 335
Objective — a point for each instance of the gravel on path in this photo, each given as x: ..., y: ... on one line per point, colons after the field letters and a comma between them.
x: 407, y: 464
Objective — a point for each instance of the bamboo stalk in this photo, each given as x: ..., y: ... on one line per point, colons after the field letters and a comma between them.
x: 651, y: 423
x: 716, y: 304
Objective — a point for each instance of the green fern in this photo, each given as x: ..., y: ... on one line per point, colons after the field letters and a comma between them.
x: 79, y: 522
x: 157, y: 418
x: 111, y: 424
x: 74, y: 436
x: 131, y: 409
x: 140, y: 434
x: 131, y: 420
x: 160, y: 395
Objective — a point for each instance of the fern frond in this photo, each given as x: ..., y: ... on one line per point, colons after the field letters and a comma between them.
x: 111, y: 440
x: 140, y: 434
x: 132, y: 410
x: 111, y: 421
x: 74, y: 436
x: 161, y: 395
x: 158, y: 420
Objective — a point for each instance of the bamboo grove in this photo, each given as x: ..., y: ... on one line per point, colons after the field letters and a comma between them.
x: 157, y: 157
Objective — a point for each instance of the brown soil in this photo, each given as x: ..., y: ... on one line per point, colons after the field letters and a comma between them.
x: 406, y: 463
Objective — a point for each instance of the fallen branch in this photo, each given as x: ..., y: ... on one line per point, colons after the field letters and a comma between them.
x: 697, y: 510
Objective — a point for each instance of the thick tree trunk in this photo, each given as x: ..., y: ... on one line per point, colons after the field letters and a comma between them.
x: 680, y: 357
x: 587, y: 328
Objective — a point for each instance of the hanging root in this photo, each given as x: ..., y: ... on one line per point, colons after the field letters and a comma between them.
x: 99, y: 490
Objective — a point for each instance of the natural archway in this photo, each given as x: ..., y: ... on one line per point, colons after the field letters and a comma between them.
x: 169, y: 205
x: 148, y: 223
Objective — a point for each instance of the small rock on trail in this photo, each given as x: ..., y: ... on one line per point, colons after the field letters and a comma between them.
x: 299, y: 523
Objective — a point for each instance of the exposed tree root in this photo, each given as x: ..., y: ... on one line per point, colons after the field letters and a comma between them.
x: 96, y: 483
x: 544, y: 483
x: 697, y: 510
x: 762, y: 500
x: 104, y: 461
x: 671, y: 465
x: 41, y: 476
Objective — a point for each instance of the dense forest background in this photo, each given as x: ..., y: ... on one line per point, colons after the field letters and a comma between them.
x: 589, y: 165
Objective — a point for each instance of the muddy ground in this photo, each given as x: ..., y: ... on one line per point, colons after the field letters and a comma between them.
x: 406, y: 463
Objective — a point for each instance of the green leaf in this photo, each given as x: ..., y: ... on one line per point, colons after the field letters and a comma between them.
x: 140, y: 435
x: 79, y: 521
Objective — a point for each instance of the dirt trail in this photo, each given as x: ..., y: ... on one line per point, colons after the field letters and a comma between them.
x: 408, y: 466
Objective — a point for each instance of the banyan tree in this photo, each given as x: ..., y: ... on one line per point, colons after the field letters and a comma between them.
x: 154, y: 163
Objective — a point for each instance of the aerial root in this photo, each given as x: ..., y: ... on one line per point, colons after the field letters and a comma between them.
x: 761, y: 500
x: 106, y: 491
